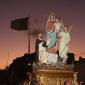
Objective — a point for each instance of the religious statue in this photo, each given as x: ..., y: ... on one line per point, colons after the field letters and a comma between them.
x: 63, y: 44
x: 57, y: 39
x: 40, y: 49
x: 51, y: 40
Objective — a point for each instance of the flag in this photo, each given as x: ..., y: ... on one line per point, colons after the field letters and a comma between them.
x: 20, y: 24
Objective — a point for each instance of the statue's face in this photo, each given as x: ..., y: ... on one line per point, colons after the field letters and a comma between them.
x: 65, y: 28
x: 51, y: 18
x: 56, y: 20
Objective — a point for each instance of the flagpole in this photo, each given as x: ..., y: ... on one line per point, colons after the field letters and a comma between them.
x: 29, y: 35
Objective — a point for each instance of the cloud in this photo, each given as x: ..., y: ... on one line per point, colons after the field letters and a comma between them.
x: 35, y: 32
x: 37, y: 27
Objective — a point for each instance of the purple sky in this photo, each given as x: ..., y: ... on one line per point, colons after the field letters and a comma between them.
x: 14, y: 43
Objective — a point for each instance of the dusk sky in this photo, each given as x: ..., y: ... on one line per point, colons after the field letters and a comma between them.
x: 14, y: 43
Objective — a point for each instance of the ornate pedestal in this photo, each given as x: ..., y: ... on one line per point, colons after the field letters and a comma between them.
x: 53, y: 76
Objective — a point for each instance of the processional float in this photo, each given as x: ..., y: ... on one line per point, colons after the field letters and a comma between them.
x: 52, y: 68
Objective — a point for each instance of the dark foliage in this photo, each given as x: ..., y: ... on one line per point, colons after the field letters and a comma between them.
x: 16, y: 73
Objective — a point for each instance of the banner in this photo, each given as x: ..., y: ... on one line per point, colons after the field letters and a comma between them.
x: 20, y: 24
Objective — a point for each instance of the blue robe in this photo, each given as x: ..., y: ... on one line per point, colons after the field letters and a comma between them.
x: 51, y: 37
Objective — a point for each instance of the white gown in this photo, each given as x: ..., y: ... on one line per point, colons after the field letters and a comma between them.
x: 63, y: 46
x: 52, y: 58
x: 42, y: 53
x: 46, y: 57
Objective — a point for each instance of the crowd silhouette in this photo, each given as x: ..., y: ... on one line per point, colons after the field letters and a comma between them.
x: 18, y: 71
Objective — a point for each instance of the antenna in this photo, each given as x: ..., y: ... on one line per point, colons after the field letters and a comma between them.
x: 8, y: 59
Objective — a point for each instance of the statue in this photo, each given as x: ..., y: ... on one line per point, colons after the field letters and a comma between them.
x: 63, y: 44
x: 51, y: 40
x: 40, y: 49
x: 49, y: 70
x: 57, y: 39
x: 50, y: 29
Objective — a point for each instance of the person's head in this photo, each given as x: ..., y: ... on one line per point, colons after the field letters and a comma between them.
x: 40, y: 36
x: 65, y: 29
x: 56, y: 20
